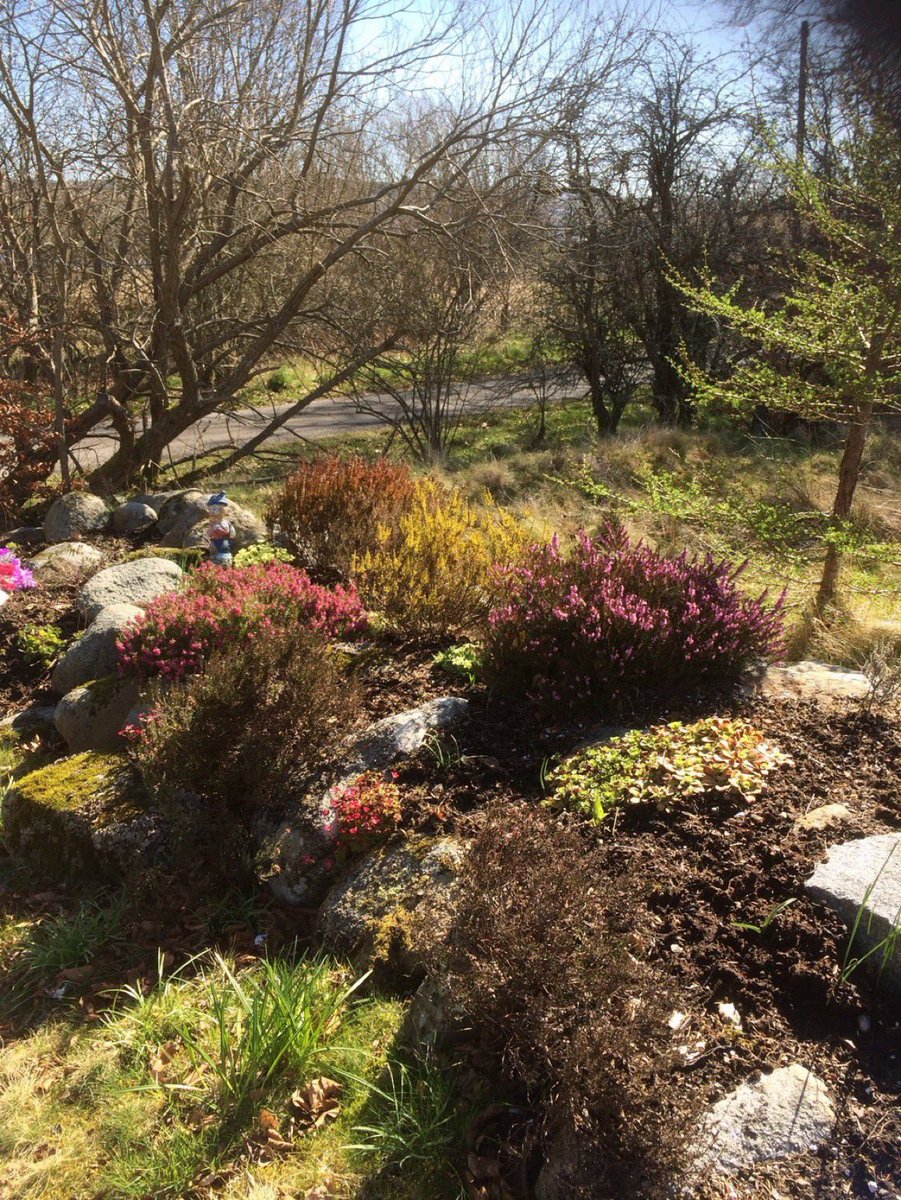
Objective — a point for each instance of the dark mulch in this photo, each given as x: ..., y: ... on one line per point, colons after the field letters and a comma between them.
x: 23, y: 683
x: 707, y: 871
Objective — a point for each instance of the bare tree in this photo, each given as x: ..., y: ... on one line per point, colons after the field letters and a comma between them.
x: 658, y: 182
x: 216, y: 165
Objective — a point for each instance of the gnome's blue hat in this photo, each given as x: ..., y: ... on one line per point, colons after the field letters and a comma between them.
x: 219, y: 498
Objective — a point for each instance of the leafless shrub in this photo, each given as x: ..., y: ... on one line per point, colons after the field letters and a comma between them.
x: 545, y: 957
x: 882, y: 668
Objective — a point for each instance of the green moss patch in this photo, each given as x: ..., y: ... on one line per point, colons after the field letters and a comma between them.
x: 53, y: 817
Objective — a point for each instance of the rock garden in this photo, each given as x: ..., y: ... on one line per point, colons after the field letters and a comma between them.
x: 385, y: 844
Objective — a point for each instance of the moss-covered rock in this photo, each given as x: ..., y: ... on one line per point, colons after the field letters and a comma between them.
x: 83, y: 818
x: 393, y: 907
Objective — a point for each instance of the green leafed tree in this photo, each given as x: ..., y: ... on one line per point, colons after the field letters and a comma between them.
x: 828, y: 346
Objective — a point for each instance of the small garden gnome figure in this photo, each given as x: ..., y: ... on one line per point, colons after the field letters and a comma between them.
x: 221, y: 532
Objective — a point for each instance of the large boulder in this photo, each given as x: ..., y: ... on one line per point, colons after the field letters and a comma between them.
x: 393, y: 908
x: 184, y: 522
x: 132, y: 518
x: 137, y: 582
x: 73, y: 515
x: 861, y: 881
x: 813, y: 681
x: 299, y: 851
x: 93, y: 655
x: 93, y: 717
x: 81, y: 819
x: 66, y: 562
x: 400, y: 735
x: 176, y: 508
x: 154, y: 500
x: 785, y: 1112
x: 34, y: 719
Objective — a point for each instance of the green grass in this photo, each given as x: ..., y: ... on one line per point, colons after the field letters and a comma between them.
x: 170, y: 1086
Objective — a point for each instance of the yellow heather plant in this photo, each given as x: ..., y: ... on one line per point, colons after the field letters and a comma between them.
x: 432, y: 575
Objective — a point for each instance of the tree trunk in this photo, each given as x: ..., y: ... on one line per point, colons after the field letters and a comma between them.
x: 848, y: 474
x: 59, y: 383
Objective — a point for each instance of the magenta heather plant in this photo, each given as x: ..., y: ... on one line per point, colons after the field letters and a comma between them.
x: 616, y: 624
x: 180, y: 630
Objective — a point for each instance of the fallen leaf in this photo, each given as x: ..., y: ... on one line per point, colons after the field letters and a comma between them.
x: 161, y: 1061
x: 318, y: 1101
x: 323, y: 1191
x: 269, y: 1122
x: 198, y: 1118
x: 77, y: 974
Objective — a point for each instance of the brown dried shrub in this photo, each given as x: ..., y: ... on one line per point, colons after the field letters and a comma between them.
x: 251, y: 727
x: 330, y: 510
x: 546, y: 960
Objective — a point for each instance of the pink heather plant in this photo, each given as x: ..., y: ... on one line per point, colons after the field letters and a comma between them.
x: 13, y: 576
x: 615, y: 624
x: 180, y: 630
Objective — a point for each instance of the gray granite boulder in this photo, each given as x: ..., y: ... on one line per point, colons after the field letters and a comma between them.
x: 154, y: 500
x: 785, y: 1112
x: 64, y: 562
x: 136, y: 582
x: 177, y: 508
x: 132, y: 517
x: 93, y: 655
x: 400, y: 735
x: 33, y: 719
x: 92, y: 717
x: 814, y: 681
x: 23, y: 535
x: 297, y: 853
x: 861, y: 881
x: 394, y: 906
x: 73, y: 515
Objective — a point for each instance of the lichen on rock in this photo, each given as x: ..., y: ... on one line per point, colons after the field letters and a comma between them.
x: 393, y: 907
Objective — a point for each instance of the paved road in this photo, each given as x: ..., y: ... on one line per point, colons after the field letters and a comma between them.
x: 322, y: 418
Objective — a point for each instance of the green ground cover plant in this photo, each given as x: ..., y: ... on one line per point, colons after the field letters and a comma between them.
x: 665, y: 766
x: 464, y: 661
x: 41, y: 644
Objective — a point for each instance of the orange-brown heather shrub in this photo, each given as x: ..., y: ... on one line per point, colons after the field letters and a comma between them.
x: 330, y: 509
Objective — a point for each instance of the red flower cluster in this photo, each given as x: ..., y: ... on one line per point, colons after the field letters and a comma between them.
x: 367, y: 810
x: 616, y: 623
x: 180, y: 630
